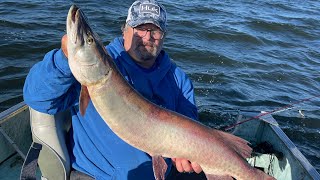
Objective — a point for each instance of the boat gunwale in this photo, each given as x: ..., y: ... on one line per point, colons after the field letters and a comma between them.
x: 12, y: 111
x: 293, y: 149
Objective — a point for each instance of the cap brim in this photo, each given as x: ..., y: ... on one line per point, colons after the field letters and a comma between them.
x: 147, y: 21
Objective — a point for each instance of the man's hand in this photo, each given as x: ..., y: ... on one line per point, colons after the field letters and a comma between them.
x: 64, y: 42
x: 184, y: 165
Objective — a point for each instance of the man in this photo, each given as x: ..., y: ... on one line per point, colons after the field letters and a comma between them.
x: 95, y: 150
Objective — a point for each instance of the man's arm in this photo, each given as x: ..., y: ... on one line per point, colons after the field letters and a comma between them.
x: 49, y: 86
x: 186, y: 103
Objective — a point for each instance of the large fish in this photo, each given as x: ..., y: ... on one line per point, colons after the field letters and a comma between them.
x: 142, y: 124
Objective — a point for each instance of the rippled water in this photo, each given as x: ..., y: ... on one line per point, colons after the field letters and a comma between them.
x: 241, y: 55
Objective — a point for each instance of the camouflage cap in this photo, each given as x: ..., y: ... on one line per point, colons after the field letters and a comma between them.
x: 147, y: 11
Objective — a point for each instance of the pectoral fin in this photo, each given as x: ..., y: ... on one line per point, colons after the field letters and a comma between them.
x: 84, y: 100
x: 159, y: 167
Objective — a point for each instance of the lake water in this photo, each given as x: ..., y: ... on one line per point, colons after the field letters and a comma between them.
x: 241, y: 55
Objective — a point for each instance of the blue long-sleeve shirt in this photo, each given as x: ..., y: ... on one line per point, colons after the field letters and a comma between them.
x: 50, y: 88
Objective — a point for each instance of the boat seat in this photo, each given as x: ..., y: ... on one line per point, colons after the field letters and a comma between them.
x: 50, y: 131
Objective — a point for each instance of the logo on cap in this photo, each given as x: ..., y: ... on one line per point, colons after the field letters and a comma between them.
x: 150, y: 8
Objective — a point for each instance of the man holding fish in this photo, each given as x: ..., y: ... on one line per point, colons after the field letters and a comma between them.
x: 97, y: 151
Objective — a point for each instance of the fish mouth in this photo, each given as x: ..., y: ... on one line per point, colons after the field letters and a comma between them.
x: 78, y: 30
x: 77, y: 25
x: 75, y: 14
x: 73, y: 11
x: 72, y: 24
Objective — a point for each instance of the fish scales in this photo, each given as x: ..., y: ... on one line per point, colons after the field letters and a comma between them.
x: 160, y: 129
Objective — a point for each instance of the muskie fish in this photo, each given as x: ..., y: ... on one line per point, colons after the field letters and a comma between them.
x: 144, y: 125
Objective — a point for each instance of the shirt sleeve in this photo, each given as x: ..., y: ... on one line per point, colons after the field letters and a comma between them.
x: 186, y: 103
x: 50, y: 86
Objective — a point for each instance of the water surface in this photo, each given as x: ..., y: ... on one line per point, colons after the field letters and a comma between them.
x: 240, y: 55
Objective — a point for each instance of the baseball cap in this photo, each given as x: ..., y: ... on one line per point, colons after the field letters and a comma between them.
x: 147, y: 11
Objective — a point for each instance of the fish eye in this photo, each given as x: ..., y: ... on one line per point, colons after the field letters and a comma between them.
x: 89, y: 40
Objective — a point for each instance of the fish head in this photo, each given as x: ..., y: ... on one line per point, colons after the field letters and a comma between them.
x: 86, y: 54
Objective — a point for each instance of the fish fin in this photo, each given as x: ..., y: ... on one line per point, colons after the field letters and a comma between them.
x: 238, y: 144
x: 159, y: 167
x: 218, y: 177
x: 84, y: 99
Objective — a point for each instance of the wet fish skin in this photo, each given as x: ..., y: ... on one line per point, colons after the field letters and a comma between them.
x: 142, y: 124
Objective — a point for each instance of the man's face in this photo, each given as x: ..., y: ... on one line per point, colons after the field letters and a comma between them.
x: 143, y: 43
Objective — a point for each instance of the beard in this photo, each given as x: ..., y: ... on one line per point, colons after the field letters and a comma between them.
x: 147, y: 51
